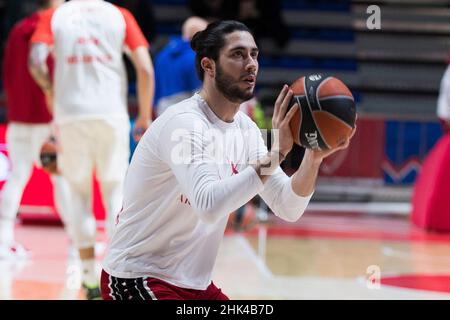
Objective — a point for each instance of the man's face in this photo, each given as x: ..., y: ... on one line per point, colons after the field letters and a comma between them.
x: 237, y: 67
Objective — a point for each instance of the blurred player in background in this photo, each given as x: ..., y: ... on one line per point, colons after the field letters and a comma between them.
x: 90, y: 107
x: 28, y: 128
x: 175, y: 75
x: 167, y: 237
x: 443, y: 109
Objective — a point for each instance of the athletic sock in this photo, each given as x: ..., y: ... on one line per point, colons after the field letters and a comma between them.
x: 88, y: 273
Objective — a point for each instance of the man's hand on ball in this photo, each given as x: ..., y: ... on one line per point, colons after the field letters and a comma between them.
x: 283, y: 139
x: 319, y: 155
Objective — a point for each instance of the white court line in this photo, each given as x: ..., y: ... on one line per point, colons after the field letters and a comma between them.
x: 395, y: 253
x: 262, y: 267
x: 44, y: 210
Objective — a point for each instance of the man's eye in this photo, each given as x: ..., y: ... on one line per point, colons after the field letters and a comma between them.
x: 237, y: 54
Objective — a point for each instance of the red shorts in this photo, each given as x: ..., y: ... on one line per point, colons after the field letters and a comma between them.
x: 153, y: 289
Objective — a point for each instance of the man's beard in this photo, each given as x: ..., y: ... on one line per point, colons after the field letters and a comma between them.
x: 230, y: 88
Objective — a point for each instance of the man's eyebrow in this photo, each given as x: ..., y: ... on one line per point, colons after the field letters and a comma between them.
x: 253, y: 49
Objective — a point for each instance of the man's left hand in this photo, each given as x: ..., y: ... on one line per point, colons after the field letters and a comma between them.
x: 140, y: 126
x: 319, y: 155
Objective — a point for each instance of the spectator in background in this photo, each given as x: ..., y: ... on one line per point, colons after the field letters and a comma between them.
x: 90, y: 108
x: 211, y: 10
x: 14, y: 11
x: 443, y: 109
x: 263, y: 17
x: 144, y: 13
x: 11, y: 11
x: 175, y: 75
x: 3, y: 26
x: 28, y: 129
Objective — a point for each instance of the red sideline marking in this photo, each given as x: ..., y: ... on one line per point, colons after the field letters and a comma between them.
x: 440, y: 283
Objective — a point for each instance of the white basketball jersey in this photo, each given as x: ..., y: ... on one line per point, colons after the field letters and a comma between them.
x: 88, y: 39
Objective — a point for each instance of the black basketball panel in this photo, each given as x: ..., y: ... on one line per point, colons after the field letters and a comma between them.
x: 312, y: 82
x: 341, y: 107
x: 309, y: 135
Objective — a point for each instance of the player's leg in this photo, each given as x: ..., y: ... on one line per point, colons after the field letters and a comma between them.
x: 76, y: 165
x: 61, y: 193
x: 111, y: 166
x: 62, y: 198
x: 19, y: 141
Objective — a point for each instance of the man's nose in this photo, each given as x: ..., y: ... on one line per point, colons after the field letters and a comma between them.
x: 252, y: 64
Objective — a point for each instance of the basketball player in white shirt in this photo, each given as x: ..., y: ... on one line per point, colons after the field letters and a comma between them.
x: 200, y: 161
x: 90, y: 88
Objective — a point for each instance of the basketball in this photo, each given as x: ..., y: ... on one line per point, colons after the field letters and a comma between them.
x: 48, y: 156
x: 327, y: 112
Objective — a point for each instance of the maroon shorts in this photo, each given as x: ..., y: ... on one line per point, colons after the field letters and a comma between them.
x: 153, y: 289
x: 445, y: 125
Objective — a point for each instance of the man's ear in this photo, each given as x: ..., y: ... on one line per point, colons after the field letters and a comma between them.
x: 208, y: 66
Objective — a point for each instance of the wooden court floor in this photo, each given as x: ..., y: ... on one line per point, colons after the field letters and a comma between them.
x: 324, y: 255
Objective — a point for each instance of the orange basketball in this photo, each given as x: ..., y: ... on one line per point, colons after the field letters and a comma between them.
x: 327, y: 112
x: 48, y: 156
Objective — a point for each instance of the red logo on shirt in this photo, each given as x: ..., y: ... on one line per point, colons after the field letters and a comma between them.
x: 184, y: 200
x: 234, y: 169
x: 90, y: 40
x: 88, y: 59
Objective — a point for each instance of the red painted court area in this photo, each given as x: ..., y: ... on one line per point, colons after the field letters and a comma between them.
x: 439, y: 283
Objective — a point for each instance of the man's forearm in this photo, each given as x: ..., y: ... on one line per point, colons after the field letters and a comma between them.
x: 41, y: 75
x: 146, y: 90
x: 304, y: 179
x: 38, y: 66
x: 145, y: 82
